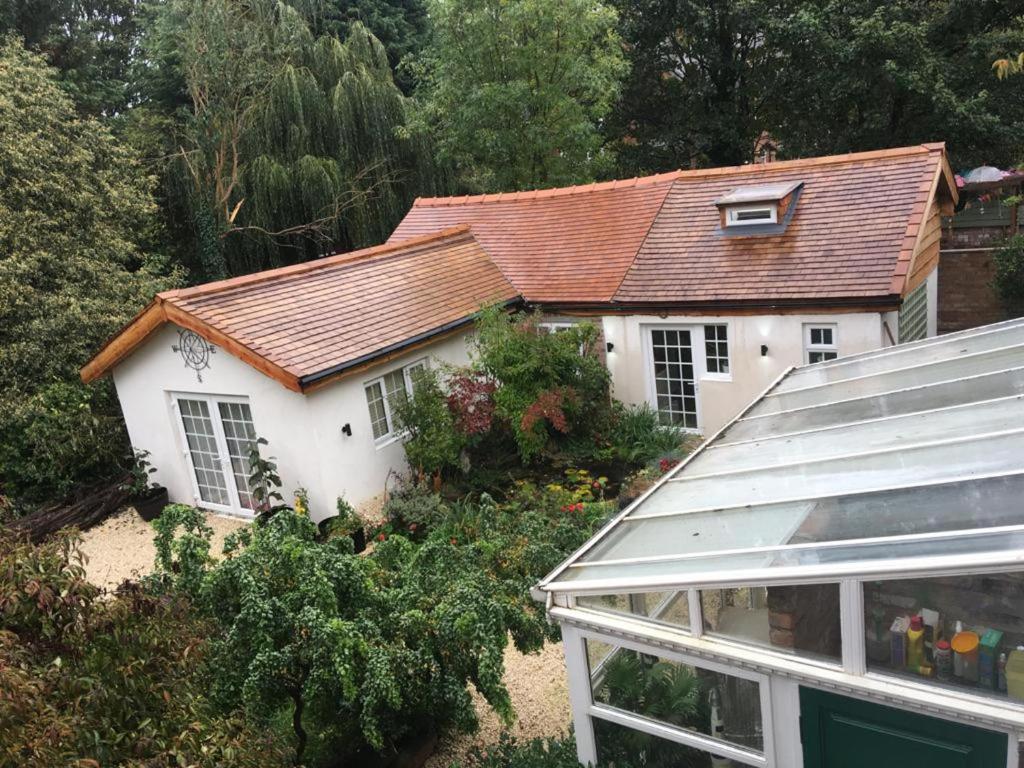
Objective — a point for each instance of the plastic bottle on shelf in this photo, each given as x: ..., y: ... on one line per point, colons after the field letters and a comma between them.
x: 915, y: 643
x: 958, y: 662
x: 1001, y: 673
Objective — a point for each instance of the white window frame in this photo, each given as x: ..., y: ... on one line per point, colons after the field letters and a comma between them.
x: 235, y: 508
x: 716, y: 376
x: 555, y: 326
x: 392, y: 434
x: 810, y: 347
x: 731, y: 212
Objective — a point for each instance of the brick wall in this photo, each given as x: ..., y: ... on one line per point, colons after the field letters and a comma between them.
x: 966, y: 296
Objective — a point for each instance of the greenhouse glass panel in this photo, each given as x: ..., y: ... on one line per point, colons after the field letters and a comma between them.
x: 691, y: 698
x: 802, y: 620
x: 973, y: 389
x: 958, y: 506
x: 618, y: 745
x: 900, y: 357
x: 1000, y: 547
x: 930, y: 463
x: 669, y: 608
x: 894, y: 380
x: 879, y: 435
x: 963, y: 632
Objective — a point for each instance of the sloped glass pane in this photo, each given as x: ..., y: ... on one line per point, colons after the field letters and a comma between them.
x: 900, y: 357
x: 891, y: 381
x: 862, y: 438
x: 941, y: 395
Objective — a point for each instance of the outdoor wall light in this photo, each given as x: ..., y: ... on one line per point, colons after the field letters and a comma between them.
x: 347, y: 430
x: 609, y: 346
x: 764, y: 350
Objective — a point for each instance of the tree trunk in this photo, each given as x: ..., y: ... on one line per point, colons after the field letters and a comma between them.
x: 300, y: 732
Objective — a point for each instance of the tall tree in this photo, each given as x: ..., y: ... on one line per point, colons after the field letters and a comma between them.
x: 516, y: 90
x: 289, y: 145
x: 401, y: 26
x: 90, y: 42
x: 76, y: 215
x: 820, y: 76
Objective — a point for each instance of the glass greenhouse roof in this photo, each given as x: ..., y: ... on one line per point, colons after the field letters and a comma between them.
x: 907, y: 459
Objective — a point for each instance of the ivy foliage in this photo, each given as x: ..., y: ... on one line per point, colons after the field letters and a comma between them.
x: 76, y: 217
x: 116, y: 681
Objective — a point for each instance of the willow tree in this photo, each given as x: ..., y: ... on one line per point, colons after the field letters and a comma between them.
x: 290, y: 144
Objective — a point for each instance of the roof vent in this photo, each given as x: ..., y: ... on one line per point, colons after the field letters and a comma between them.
x: 761, y: 204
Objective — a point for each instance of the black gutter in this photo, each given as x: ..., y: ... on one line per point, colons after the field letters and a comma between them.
x: 313, y: 378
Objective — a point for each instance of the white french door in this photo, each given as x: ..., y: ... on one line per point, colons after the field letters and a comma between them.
x: 217, y: 432
x: 673, y: 375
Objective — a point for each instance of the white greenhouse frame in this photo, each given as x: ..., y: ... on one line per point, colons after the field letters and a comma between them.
x: 780, y: 674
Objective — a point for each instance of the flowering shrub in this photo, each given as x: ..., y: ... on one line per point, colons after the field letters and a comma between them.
x: 471, y: 402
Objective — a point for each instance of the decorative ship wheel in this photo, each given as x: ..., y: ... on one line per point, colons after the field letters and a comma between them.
x: 194, y: 350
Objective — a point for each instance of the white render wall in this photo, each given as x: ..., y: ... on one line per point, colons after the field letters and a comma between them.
x: 720, y: 398
x: 303, y: 431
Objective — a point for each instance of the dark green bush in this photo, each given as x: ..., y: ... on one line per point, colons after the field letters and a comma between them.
x: 433, y: 443
x: 1008, y: 260
x: 118, y: 681
x: 536, y: 753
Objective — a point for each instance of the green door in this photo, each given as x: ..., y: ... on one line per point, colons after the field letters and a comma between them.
x: 838, y: 732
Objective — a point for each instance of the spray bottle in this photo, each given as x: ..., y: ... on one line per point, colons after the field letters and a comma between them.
x: 717, y: 730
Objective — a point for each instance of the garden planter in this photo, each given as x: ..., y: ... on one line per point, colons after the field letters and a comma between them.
x: 152, y: 504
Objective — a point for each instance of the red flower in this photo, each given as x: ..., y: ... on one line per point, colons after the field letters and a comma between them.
x: 381, y: 536
x: 455, y: 542
x: 412, y: 526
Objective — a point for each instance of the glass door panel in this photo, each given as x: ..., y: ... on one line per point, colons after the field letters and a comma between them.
x: 202, y: 446
x: 675, y: 388
x: 239, y: 434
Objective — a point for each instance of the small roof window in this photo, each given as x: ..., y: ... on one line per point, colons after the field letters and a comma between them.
x: 753, y: 205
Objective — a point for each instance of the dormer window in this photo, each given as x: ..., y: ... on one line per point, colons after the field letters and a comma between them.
x: 764, y: 205
x: 752, y: 214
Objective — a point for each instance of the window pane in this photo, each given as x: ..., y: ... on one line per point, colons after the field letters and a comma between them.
x: 678, y: 694
x: 240, y: 434
x: 716, y: 348
x: 803, y: 620
x: 378, y: 416
x: 982, y: 657
x: 670, y: 608
x: 206, y: 459
x: 394, y: 387
x: 618, y: 745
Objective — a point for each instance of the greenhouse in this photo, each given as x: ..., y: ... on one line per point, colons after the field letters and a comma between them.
x: 836, y: 578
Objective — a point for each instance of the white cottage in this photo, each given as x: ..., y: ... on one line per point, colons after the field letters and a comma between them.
x: 706, y: 285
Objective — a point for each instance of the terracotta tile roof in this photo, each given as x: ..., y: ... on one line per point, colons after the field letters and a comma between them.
x: 851, y: 236
x: 559, y: 245
x: 303, y: 323
x: 656, y: 239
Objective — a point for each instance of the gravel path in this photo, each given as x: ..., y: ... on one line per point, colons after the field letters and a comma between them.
x: 540, y: 696
x: 121, y: 547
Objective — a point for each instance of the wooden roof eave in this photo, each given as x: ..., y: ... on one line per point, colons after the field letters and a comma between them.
x: 152, y: 318
x: 942, y: 187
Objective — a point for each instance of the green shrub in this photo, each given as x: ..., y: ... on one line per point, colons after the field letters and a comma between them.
x: 548, y: 385
x: 638, y: 437
x: 1008, y: 260
x: 433, y: 443
x: 118, y: 681
x: 536, y: 753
